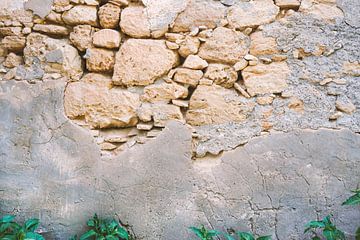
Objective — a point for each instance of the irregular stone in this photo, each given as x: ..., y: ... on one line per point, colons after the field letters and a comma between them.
x: 265, y: 100
x: 206, y: 13
x: 221, y: 74
x: 174, y: 37
x: 100, y: 60
x: 266, y: 78
x: 142, y: 61
x: 107, y: 146
x: 120, y: 3
x: 323, y: 11
x: 61, y: 5
x: 12, y: 60
x: 107, y: 38
x: 241, y: 90
x: 288, y: 3
x: 164, y: 113
x: 51, y: 29
x: 97, y: 79
x: 180, y: 103
x: 188, y: 76
x: 13, y: 43
x: 81, y: 14
x: 206, y: 82
x: 190, y: 45
x: 109, y: 15
x: 81, y: 37
x: 145, y: 126
x: 163, y: 92
x: 134, y: 22
x: 345, y: 105
x: 261, y: 45
x: 162, y: 13
x: 172, y: 45
x: 10, y: 31
x: 101, y: 107
x: 195, y: 62
x: 54, y: 55
x: 215, y: 104
x: 54, y: 17
x: 240, y: 65
x: 225, y: 45
x: 252, y: 14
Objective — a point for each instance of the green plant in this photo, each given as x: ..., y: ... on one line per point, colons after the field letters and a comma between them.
x: 10, y: 230
x: 329, y: 230
x: 104, y: 229
x: 247, y: 236
x: 205, y: 234
x: 354, y: 200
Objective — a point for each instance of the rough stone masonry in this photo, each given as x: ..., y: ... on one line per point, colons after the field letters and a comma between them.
x: 239, y: 114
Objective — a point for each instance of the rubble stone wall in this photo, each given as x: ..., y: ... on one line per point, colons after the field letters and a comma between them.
x: 175, y: 112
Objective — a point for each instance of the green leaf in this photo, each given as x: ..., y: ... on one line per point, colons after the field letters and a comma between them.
x: 264, y: 238
x: 88, y: 235
x: 357, y: 234
x: 31, y: 224
x: 33, y: 236
x: 197, y: 231
x: 314, y: 224
x: 109, y: 237
x: 122, y: 233
x: 316, y: 238
x: 212, y: 233
x: 229, y: 237
x: 245, y: 236
x: 73, y: 237
x: 91, y: 223
x: 353, y: 200
x: 329, y: 235
x: 7, y: 219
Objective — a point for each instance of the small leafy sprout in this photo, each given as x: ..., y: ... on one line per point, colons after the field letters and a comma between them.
x: 329, y: 230
x: 104, y: 230
x: 357, y: 234
x: 247, y: 236
x: 10, y: 230
x: 354, y: 199
x: 205, y: 234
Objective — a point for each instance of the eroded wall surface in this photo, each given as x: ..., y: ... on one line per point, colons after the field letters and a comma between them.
x: 236, y: 114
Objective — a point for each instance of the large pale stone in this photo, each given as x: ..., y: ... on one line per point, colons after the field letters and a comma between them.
x: 164, y: 92
x: 101, y: 107
x: 188, y: 76
x: 81, y: 37
x: 215, y: 105
x: 109, y: 15
x: 225, y: 45
x: 107, y: 38
x: 100, y: 60
x: 261, y: 45
x: 207, y: 13
x: 81, y: 14
x: 221, y: 74
x: 55, y: 55
x: 266, y: 78
x: 142, y: 61
x: 134, y: 22
x: 252, y: 14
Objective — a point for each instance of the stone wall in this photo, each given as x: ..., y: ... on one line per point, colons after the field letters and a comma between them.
x: 170, y: 113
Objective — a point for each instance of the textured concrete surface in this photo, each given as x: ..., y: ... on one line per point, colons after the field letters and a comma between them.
x: 51, y: 169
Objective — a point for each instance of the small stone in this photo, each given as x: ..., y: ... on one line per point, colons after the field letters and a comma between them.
x: 97, y: 79
x: 180, y: 103
x: 194, y: 31
x: 221, y: 74
x: 153, y: 133
x: 107, y: 38
x: 288, y: 3
x: 51, y: 29
x: 54, y: 17
x: 278, y: 58
x: 296, y: 104
x: 345, y: 105
x: 250, y: 57
x: 109, y: 15
x: 329, y: 80
x: 206, y: 82
x: 13, y: 60
x: 10, y: 31
x: 161, y: 113
x: 172, y: 45
x: 100, y: 60
x: 265, y: 100
x: 247, y: 31
x: 134, y: 22
x: 119, y: 3
x: 253, y: 62
x: 173, y: 37
x: 107, y: 146
x: 163, y: 92
x: 115, y: 139
x: 189, y: 46
x: 26, y: 31
x: 261, y: 45
x: 145, y: 126
x: 81, y: 14
x: 265, y: 60
x: 195, y: 62
x: 241, y: 90
x: 13, y: 43
x: 188, y: 76
x: 240, y: 65
x: 81, y: 37
x: 335, y: 116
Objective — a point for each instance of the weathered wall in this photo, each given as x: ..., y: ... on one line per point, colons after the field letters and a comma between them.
x: 235, y: 114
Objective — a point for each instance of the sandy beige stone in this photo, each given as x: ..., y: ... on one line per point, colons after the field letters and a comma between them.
x: 161, y: 113
x: 51, y: 29
x: 261, y: 45
x: 109, y: 15
x: 345, y: 105
x: 100, y: 60
x: 97, y: 79
x: 134, y: 22
x: 142, y: 61
x: 190, y: 45
x: 288, y: 3
x: 13, y: 60
x: 252, y: 14
x: 81, y: 37
x: 188, y: 76
x: 163, y: 92
x: 13, y: 43
x: 215, y: 105
x: 10, y: 31
x: 195, y: 62
x: 225, y: 45
x: 327, y: 11
x: 107, y: 38
x: 266, y: 78
x: 81, y: 15
x: 200, y: 13
x: 221, y: 74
